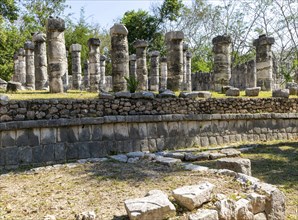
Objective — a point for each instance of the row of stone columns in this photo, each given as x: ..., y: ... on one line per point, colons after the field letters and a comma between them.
x: 262, y: 77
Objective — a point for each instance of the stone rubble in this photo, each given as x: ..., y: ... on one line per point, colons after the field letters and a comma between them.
x: 239, y: 165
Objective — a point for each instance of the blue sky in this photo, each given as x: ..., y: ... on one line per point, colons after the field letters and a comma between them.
x: 104, y: 12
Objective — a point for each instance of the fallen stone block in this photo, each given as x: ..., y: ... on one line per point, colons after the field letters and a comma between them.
x: 143, y: 95
x: 196, y: 168
x: 239, y: 165
x: 204, y: 214
x: 189, y: 95
x: 275, y: 202
x: 225, y: 209
x: 224, y: 89
x: 257, y: 202
x: 242, y: 210
x: 282, y: 93
x: 105, y: 95
x: 167, y: 160
x: 204, y: 94
x: 154, y: 206
x: 216, y: 155
x: 194, y: 196
x: 136, y: 154
x: 233, y: 92
x: 123, y: 95
x: 166, y: 94
x: 254, y: 91
x: 197, y: 157
x: 230, y: 152
x: 120, y: 157
x: 175, y: 155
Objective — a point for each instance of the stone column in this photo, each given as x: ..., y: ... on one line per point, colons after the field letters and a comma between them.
x: 154, y: 71
x: 16, y: 74
x: 142, y: 71
x: 94, y: 64
x: 185, y: 48
x: 40, y: 61
x: 120, y: 57
x: 76, y: 67
x: 163, y: 73
x: 56, y: 53
x: 86, y: 75
x: 133, y: 66
x: 102, y: 81
x: 30, y: 74
x: 22, y: 67
x: 264, y: 62
x: 222, y: 61
x: 65, y: 77
x: 188, y: 71
x: 174, y: 42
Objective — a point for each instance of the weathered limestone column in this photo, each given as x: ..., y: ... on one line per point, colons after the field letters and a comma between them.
x: 174, y: 42
x: 142, y: 71
x: 188, y: 71
x: 76, y: 67
x: 86, y: 75
x: 163, y: 73
x: 120, y: 57
x: 222, y: 61
x: 185, y: 48
x: 16, y: 74
x: 154, y: 71
x: 56, y: 53
x: 40, y: 61
x: 94, y: 64
x: 133, y: 66
x: 65, y: 77
x: 30, y: 74
x: 264, y: 63
x: 102, y: 82
x: 22, y: 67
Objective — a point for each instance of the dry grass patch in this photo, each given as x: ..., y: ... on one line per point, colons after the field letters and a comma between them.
x: 102, y: 187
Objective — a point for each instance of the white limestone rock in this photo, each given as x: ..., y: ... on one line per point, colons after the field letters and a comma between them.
x: 239, y: 165
x: 226, y: 209
x: 120, y: 157
x: 154, y: 206
x: 167, y: 160
x: 257, y: 202
x: 230, y: 152
x: 86, y: 216
x: 193, y: 167
x: 242, y: 210
x: 204, y: 214
x: 193, y: 196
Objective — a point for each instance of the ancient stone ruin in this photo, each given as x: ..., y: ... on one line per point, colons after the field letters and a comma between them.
x: 142, y: 71
x: 75, y: 50
x: 94, y: 64
x: 30, y: 69
x: 56, y: 53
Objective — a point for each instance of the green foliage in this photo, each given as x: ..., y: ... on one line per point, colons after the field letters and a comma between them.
x: 8, y: 10
x: 140, y: 25
x: 132, y: 84
x: 170, y: 10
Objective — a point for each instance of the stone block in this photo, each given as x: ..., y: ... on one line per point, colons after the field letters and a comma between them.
x: 121, y: 131
x: 48, y: 135
x: 257, y: 202
x: 239, y: 165
x: 123, y: 95
x: 225, y: 209
x: 85, y: 133
x: 37, y: 154
x: 155, y: 206
x: 11, y: 156
x: 48, y: 153
x: 83, y: 150
x: 166, y: 94
x: 59, y: 152
x: 152, y: 130
x: 173, y: 128
x: 254, y: 91
x: 242, y: 210
x: 167, y: 161
x: 233, y: 92
x: 8, y: 138
x: 24, y: 155
x: 204, y: 94
x: 152, y: 145
x: 133, y: 130
x: 204, y: 214
x: 108, y: 132
x: 72, y: 151
x: 68, y: 134
x: 282, y: 93
x: 194, y: 196
x: 96, y: 132
x: 105, y: 95
x: 162, y: 129
x: 99, y: 149
x: 174, y: 35
x: 120, y: 158
x: 230, y: 152
x: 75, y: 48
x: 195, y: 168
x: 216, y: 155
x: 189, y: 95
x: 118, y: 29
x: 55, y: 24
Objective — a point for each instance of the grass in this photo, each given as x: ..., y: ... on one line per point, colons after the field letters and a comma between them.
x: 275, y: 163
x: 76, y: 94
x: 41, y: 94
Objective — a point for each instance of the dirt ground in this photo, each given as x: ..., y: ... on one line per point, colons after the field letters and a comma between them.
x: 102, y: 187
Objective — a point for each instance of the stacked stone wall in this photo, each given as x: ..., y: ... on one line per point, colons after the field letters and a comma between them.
x: 56, y: 141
